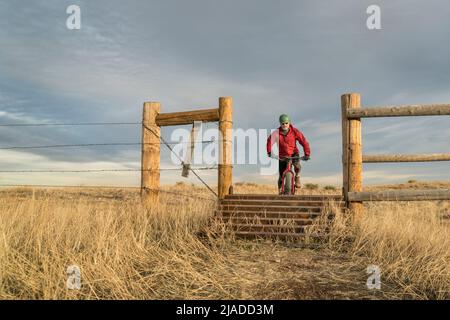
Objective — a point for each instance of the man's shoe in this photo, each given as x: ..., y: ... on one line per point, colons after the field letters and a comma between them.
x: 297, y: 182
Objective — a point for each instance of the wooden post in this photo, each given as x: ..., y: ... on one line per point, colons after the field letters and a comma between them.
x: 344, y: 106
x: 225, y: 146
x: 150, y: 153
x: 352, y: 152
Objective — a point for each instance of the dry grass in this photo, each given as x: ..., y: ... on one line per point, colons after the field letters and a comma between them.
x: 126, y: 251
x: 410, y: 242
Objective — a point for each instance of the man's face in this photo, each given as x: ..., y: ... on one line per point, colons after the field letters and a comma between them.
x: 285, y: 126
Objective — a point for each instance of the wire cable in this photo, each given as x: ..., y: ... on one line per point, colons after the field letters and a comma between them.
x: 99, y: 170
x: 96, y: 145
x: 68, y: 124
x: 179, y: 194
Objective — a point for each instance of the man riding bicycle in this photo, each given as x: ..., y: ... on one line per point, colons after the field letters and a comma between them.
x: 287, y: 136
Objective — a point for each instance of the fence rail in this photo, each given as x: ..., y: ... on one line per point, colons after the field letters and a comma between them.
x: 399, y: 111
x: 400, y: 195
x: 187, y: 117
x: 375, y: 158
x: 352, y: 157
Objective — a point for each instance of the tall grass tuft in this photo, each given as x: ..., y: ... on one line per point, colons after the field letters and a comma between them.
x: 410, y: 241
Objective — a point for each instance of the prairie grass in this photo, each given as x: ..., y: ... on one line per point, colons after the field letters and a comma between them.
x: 409, y: 241
x: 124, y: 250
x: 167, y: 251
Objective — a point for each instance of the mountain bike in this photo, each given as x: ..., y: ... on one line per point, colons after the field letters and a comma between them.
x: 288, y: 176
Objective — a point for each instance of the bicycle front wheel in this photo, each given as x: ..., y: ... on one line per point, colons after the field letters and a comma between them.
x: 288, y: 180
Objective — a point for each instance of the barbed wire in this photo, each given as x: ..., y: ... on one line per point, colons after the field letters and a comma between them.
x: 68, y: 124
x: 100, y: 170
x: 179, y: 194
x: 105, y: 187
x: 35, y: 124
x: 66, y: 186
x: 100, y: 144
x: 162, y: 141
x: 70, y: 145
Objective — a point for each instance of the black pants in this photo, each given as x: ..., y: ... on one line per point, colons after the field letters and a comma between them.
x: 283, y: 164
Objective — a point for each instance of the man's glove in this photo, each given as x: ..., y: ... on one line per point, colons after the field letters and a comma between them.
x: 269, y: 154
x: 305, y: 158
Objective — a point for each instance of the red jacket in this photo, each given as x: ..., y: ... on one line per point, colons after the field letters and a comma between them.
x: 287, y: 145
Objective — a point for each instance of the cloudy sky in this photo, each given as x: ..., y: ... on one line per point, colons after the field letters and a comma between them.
x: 272, y: 57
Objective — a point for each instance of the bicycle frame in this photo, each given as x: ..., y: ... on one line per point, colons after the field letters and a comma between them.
x: 288, y: 169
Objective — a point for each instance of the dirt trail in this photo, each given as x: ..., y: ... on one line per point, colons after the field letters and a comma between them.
x: 280, y: 272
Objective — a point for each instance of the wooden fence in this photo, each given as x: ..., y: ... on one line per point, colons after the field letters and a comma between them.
x: 153, y: 120
x: 352, y: 157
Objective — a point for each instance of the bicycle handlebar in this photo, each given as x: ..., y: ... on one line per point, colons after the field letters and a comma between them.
x: 290, y: 158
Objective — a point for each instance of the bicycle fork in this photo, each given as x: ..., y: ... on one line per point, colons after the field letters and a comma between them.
x: 288, y: 169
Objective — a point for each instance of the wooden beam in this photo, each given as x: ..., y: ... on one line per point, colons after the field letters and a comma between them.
x: 150, y: 156
x: 187, y: 117
x: 345, y: 142
x: 406, y: 157
x: 400, y: 111
x: 354, y: 152
x: 400, y: 195
x: 225, y: 146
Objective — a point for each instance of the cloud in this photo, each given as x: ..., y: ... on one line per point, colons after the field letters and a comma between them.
x: 291, y: 57
x: 19, y: 117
